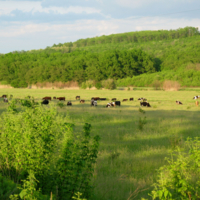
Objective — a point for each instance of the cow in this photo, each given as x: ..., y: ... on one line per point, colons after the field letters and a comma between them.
x: 197, y: 103
x: 47, y: 98
x: 145, y: 103
x: 78, y: 97
x: 54, y: 98
x: 142, y: 99
x: 131, y: 99
x: 114, y: 99
x: 196, y: 97
x: 95, y: 98
x: 117, y: 103
x: 125, y: 100
x: 179, y: 103
x: 111, y: 104
x: 82, y: 101
x: 93, y: 103
x: 61, y: 98
x: 45, y: 102
x: 5, y: 100
x: 69, y: 103
x: 103, y: 99
x: 4, y: 96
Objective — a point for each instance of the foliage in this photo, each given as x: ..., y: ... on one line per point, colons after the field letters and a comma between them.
x: 98, y: 85
x: 180, y: 178
x: 60, y: 104
x: 109, y: 84
x: 39, y: 150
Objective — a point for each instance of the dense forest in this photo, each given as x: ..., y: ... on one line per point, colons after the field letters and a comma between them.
x: 136, y: 58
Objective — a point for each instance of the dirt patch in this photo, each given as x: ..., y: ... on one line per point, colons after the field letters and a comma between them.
x: 5, y: 86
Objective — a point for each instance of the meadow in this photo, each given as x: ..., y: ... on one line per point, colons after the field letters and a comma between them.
x: 130, y: 153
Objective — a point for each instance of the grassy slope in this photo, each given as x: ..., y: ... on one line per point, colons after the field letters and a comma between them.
x: 128, y: 157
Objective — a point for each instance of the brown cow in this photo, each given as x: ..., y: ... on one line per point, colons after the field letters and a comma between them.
x: 197, y: 103
x: 47, y: 98
x: 54, y: 97
x: 131, y: 99
x: 125, y: 100
x: 78, y: 97
x: 4, y: 96
x: 113, y: 99
x: 61, y: 98
x: 82, y: 101
x: 95, y: 98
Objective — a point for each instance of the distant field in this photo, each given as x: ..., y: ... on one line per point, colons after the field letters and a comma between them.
x: 128, y: 157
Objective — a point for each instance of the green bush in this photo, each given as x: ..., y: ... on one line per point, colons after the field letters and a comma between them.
x: 109, y: 84
x: 179, y: 179
x: 98, y: 85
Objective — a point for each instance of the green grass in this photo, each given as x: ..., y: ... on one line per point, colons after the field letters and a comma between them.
x: 128, y: 157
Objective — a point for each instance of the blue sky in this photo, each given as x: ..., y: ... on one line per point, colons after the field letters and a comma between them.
x: 36, y: 24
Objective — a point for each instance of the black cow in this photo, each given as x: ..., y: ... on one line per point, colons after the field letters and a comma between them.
x: 131, y: 99
x: 102, y: 99
x: 117, y: 103
x: 179, y: 103
x: 93, y: 103
x: 142, y: 99
x: 54, y: 98
x: 45, y: 102
x: 69, y: 103
x: 4, y: 96
x: 5, y: 100
x: 144, y: 103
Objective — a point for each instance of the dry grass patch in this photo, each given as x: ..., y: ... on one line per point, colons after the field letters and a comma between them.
x: 171, y: 85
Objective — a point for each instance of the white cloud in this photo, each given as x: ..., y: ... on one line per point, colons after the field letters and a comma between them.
x: 6, y: 7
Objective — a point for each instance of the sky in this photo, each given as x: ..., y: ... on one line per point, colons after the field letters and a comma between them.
x: 36, y: 24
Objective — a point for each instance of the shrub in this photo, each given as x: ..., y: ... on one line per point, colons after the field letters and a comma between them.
x: 60, y: 104
x: 98, y: 85
x: 109, y: 84
x: 157, y: 85
x: 171, y: 85
x: 83, y: 85
x: 179, y: 179
x: 89, y: 83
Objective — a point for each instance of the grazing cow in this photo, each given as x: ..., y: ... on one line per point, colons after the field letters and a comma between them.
x: 82, y: 101
x: 145, y: 103
x: 178, y: 103
x: 5, y: 100
x: 93, y: 103
x: 47, y: 98
x: 95, y: 98
x: 4, y: 96
x: 197, y: 103
x: 114, y: 99
x: 117, y: 103
x: 45, y: 102
x: 125, y: 100
x: 78, y: 97
x: 196, y: 97
x: 111, y: 104
x: 54, y: 98
x: 61, y: 98
x: 69, y: 103
x: 131, y: 99
x: 103, y: 99
x: 142, y: 99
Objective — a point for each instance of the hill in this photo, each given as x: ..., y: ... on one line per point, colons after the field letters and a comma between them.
x: 135, y: 58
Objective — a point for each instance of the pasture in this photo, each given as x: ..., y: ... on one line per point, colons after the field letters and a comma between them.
x: 129, y: 155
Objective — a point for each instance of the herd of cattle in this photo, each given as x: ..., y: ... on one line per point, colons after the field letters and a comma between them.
x: 143, y: 101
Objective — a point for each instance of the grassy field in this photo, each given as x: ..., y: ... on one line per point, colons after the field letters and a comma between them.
x: 128, y: 156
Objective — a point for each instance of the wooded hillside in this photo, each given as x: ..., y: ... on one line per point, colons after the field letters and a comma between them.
x: 135, y: 56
